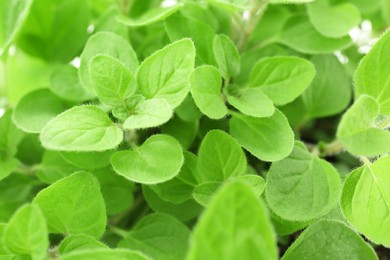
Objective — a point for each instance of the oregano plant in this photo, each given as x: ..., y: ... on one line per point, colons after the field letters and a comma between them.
x: 207, y: 129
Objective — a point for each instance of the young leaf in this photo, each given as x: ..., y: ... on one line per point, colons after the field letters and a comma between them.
x: 357, y: 130
x: 81, y: 128
x: 148, y: 163
x: 372, y: 76
x: 244, y: 232
x: 369, y: 214
x: 10, y: 136
x: 302, y: 186
x: 226, y: 56
x: 299, y: 34
x: 112, y: 81
x: 206, y: 85
x: 333, y: 21
x: 7, y: 166
x: 282, y: 79
x: 232, y: 5
x: 158, y: 236
x: 150, y: 17
x: 220, y: 157
x: 79, y: 242
x: 109, y: 44
x: 104, y: 254
x: 36, y: 109
x: 317, y: 240
x: 74, y: 205
x: 165, y: 74
x: 269, y: 139
x: 88, y: 160
x: 252, y: 102
x: 150, y: 113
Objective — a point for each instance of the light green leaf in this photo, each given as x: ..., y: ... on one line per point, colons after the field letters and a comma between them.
x: 206, y: 85
x: 79, y: 242
x: 330, y: 91
x: 36, y: 109
x: 10, y: 136
x: 13, y: 13
x: 88, y: 160
x: 7, y: 166
x: 165, y: 74
x: 150, y: 113
x: 149, y: 17
x: 26, y: 233
x: 302, y: 186
x: 111, y: 79
x: 81, y: 128
x: 358, y: 132
x: 365, y: 200
x: 300, y: 35
x: 290, y: 1
x: 333, y: 21
x: 74, y: 205
x: 282, y: 79
x: 269, y: 139
x: 220, y: 157
x: 109, y: 44
x: 65, y: 83
x: 104, y: 254
x: 372, y: 76
x: 158, y: 236
x: 322, y: 239
x: 226, y: 56
x: 185, y: 132
x: 243, y: 230
x: 251, y: 102
x: 232, y: 5
x: 285, y: 227
x: 148, y: 163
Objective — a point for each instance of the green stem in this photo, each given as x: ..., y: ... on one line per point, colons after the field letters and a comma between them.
x: 364, y: 160
x: 384, y: 124
x: 118, y: 231
x: 332, y: 148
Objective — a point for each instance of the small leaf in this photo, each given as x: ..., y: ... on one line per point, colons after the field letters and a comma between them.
x: 10, y: 136
x: 148, y: 163
x: 158, y: 236
x: 315, y: 243
x: 206, y: 85
x: 282, y: 79
x: 357, y: 131
x: 112, y: 81
x: 165, y: 74
x: 302, y: 186
x: 7, y: 167
x: 232, y: 5
x: 365, y: 200
x: 290, y: 1
x: 269, y: 139
x: 104, y: 254
x: 26, y: 233
x: 79, y: 242
x: 150, y: 113
x: 81, y: 128
x: 226, y: 56
x: 74, y: 205
x: 149, y: 17
x: 88, y: 160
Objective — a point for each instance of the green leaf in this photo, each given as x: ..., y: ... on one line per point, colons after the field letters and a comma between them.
x: 111, y: 79
x: 220, y: 157
x: 372, y: 76
x: 79, y: 242
x: 26, y: 233
x: 300, y: 35
x: 226, y: 56
x: 81, y: 128
x: 7, y: 166
x: 330, y: 91
x: 165, y: 74
x: 36, y: 109
x: 320, y: 240
x: 358, y: 132
x: 105, y: 43
x: 149, y: 113
x: 74, y: 205
x: 10, y: 136
x: 365, y: 200
x: 183, y: 131
x: 104, y: 254
x: 206, y: 85
x: 333, y: 21
x: 150, y: 17
x: 243, y: 230
x: 282, y: 79
x: 158, y: 236
x: 65, y: 83
x: 148, y: 163
x: 290, y: 1
x: 88, y: 160
x: 232, y: 5
x: 269, y: 139
x: 302, y: 186
x: 251, y: 102
x: 13, y: 13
